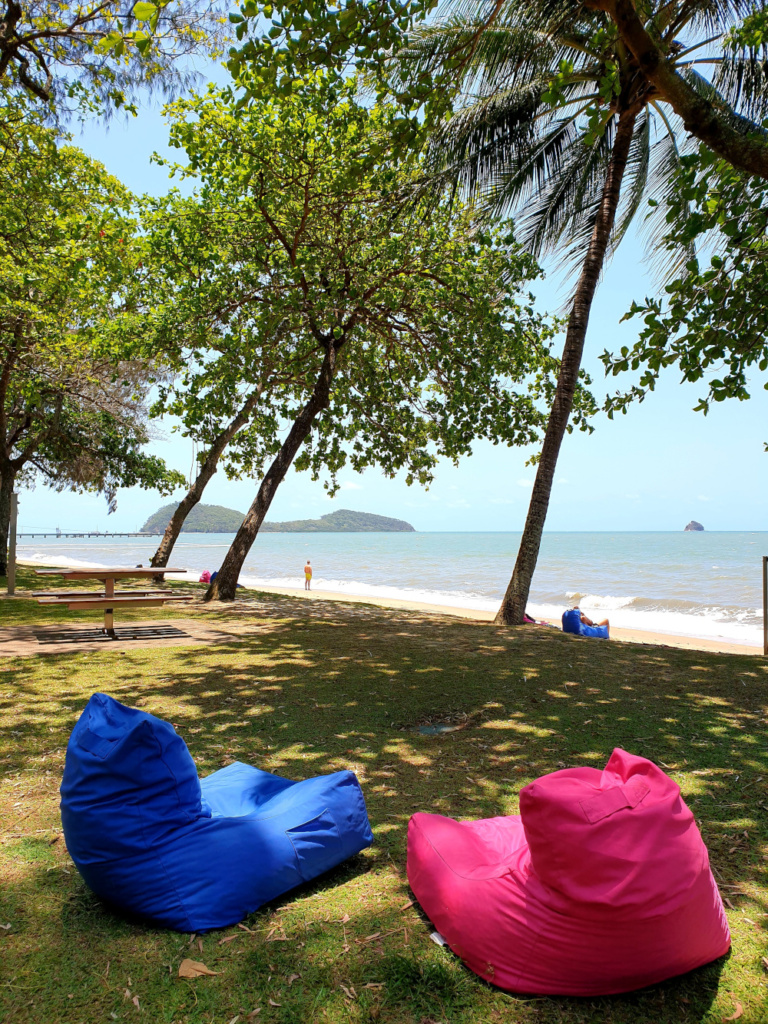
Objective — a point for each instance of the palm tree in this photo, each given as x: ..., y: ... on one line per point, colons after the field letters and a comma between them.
x: 557, y: 123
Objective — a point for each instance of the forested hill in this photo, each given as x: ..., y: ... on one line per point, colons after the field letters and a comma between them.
x: 217, y: 519
x: 343, y: 521
x: 202, y: 519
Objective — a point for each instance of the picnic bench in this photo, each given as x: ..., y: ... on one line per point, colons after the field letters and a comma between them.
x: 108, y: 599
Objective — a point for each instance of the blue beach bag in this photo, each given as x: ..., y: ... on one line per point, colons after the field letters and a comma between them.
x: 572, y: 624
x: 154, y: 840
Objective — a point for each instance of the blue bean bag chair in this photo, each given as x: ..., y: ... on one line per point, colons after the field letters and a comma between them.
x: 151, y: 838
x: 572, y: 624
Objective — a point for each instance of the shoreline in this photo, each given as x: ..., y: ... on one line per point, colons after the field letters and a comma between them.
x: 621, y: 635
x: 636, y: 636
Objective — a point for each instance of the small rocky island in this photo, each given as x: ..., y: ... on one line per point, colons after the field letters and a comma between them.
x: 217, y: 519
x: 693, y: 525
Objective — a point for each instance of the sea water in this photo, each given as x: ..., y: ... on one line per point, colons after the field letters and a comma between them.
x: 692, y: 584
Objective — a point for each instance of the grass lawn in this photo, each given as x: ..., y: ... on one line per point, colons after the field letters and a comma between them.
x: 324, y: 686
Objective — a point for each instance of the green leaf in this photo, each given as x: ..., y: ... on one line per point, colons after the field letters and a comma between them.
x: 143, y: 11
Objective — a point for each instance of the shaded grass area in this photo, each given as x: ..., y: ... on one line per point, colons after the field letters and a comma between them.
x: 326, y: 686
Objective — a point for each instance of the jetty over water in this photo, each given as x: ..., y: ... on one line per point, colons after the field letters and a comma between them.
x: 79, y: 533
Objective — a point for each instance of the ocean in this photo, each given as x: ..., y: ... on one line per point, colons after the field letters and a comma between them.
x: 705, y: 585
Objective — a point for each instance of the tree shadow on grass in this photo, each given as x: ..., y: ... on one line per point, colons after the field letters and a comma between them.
x: 326, y: 688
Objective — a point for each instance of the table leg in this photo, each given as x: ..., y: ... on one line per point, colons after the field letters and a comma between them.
x: 109, y: 618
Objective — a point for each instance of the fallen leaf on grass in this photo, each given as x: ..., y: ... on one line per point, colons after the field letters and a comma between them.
x: 726, y: 900
x: 246, y: 929
x: 273, y: 1003
x: 253, y: 1013
x: 235, y: 1019
x: 292, y: 978
x: 135, y: 1002
x: 736, y: 1013
x: 344, y: 919
x: 194, y: 969
x: 347, y: 991
x: 405, y: 906
x: 374, y: 984
x: 765, y: 963
x: 378, y: 935
x: 227, y: 939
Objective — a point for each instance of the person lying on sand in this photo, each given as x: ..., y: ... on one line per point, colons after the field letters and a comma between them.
x: 588, y: 622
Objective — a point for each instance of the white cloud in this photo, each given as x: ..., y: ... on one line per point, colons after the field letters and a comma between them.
x: 524, y: 483
x: 349, y: 485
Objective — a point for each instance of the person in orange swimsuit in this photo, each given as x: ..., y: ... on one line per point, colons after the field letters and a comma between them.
x: 307, y: 576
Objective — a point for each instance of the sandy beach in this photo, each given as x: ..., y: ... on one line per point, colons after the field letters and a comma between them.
x: 636, y: 636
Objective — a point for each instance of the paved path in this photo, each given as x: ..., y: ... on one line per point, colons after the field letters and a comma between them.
x: 65, y: 638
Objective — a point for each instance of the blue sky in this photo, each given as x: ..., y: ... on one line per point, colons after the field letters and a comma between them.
x: 654, y: 469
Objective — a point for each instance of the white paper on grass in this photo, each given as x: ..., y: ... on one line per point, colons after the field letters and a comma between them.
x: 438, y: 939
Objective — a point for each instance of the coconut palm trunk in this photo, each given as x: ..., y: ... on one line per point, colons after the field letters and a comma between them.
x: 516, y: 597
x: 224, y: 586
x: 207, y: 469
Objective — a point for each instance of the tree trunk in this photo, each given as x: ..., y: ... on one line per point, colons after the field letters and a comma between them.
x: 224, y: 586
x: 195, y: 492
x: 746, y: 151
x: 7, y: 480
x: 516, y: 598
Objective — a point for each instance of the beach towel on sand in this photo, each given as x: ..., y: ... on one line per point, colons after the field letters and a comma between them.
x: 601, y: 885
x: 148, y: 836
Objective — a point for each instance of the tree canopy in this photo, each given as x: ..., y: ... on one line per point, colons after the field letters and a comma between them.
x: 712, y: 320
x: 99, y: 53
x: 407, y: 321
x: 300, y: 234
x: 72, y: 410
x: 670, y: 41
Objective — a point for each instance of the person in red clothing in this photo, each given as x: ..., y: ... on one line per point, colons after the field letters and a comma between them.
x: 307, y: 576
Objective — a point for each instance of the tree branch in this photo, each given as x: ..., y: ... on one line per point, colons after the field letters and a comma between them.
x: 700, y: 117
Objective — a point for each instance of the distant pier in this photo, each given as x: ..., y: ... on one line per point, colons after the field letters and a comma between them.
x: 80, y: 533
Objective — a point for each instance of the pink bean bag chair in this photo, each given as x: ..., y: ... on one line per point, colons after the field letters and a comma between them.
x: 601, y: 885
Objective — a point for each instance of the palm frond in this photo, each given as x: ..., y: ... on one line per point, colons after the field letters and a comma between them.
x: 708, y: 90
x: 666, y: 160
x: 482, y: 137
x: 742, y: 82
x: 706, y: 16
x: 553, y: 187
x: 635, y: 181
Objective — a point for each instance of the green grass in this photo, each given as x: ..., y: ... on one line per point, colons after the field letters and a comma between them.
x: 323, y: 686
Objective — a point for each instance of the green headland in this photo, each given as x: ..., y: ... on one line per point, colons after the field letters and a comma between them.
x: 217, y: 519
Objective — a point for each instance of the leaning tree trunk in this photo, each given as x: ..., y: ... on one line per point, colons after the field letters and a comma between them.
x: 224, y: 586
x: 516, y: 598
x: 195, y: 492
x: 7, y: 478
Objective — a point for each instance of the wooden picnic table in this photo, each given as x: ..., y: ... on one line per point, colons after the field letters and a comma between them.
x: 108, y: 599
